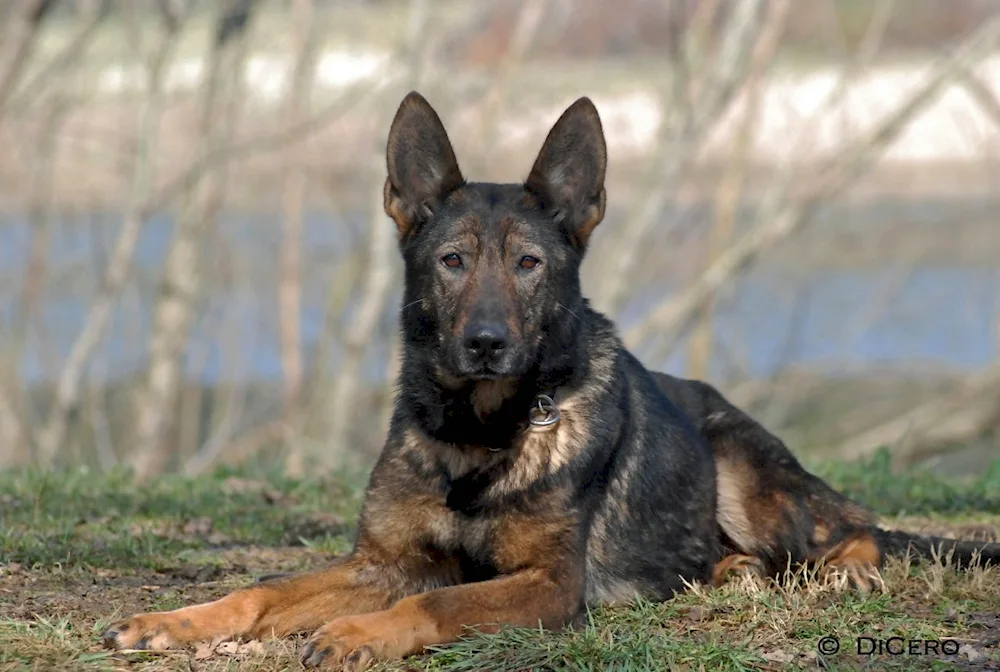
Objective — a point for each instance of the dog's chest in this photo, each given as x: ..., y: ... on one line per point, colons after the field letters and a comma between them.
x: 490, y: 498
x: 469, y: 541
x: 478, y: 477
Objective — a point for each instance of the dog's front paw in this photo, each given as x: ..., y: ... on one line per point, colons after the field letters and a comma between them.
x: 353, y: 643
x: 153, y: 631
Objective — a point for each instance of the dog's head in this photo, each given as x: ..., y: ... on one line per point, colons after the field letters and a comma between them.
x: 491, y: 269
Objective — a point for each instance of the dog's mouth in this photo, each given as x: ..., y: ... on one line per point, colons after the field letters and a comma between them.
x: 486, y: 375
x: 456, y: 378
x: 461, y: 369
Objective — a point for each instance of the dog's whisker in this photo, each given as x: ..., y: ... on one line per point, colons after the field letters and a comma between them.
x: 412, y: 303
x: 559, y: 305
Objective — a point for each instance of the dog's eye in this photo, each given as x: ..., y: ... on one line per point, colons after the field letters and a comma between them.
x: 452, y: 260
x: 529, y: 262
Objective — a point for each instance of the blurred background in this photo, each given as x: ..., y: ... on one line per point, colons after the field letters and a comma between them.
x: 195, y: 269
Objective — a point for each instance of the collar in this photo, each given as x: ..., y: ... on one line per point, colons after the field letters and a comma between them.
x: 543, y: 414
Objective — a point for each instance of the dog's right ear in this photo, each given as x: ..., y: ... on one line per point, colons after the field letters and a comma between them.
x: 422, y: 165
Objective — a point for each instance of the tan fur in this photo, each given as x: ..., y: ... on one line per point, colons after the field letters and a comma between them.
x: 435, y: 520
x: 859, y: 557
x: 539, y: 580
x: 489, y: 395
x: 735, y: 484
x: 821, y: 533
x: 594, y: 216
x: 544, y: 451
x: 281, y: 608
x: 458, y: 461
x: 394, y: 208
x: 734, y: 564
x: 861, y: 547
x: 536, y: 455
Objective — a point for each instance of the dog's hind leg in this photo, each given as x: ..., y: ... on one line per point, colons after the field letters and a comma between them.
x: 736, y: 564
x: 773, y: 529
x: 768, y: 506
x: 771, y: 508
x: 858, y: 557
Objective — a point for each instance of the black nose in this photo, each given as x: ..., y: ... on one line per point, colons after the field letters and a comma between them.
x: 485, y: 339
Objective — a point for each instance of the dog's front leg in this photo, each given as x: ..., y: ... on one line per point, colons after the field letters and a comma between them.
x: 527, y: 598
x: 295, y: 604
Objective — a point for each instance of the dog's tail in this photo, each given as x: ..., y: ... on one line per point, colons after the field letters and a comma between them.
x: 959, y: 552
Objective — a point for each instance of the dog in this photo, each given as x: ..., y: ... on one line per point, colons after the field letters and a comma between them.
x: 533, y: 466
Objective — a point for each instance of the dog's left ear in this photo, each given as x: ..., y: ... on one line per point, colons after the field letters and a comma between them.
x: 568, y: 175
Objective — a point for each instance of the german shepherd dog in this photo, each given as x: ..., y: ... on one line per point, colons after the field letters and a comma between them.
x: 533, y: 467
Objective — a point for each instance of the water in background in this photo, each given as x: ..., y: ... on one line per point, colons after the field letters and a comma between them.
x: 831, y: 319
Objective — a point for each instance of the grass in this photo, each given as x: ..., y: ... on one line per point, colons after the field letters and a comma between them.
x: 79, y: 549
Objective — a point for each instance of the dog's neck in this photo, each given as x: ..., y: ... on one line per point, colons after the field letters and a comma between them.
x: 491, y: 414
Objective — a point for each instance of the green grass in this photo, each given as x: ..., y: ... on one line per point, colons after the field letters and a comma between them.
x: 877, y: 486
x: 79, y: 549
x: 84, y: 519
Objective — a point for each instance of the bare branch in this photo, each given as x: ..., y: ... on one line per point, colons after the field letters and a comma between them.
x: 679, y: 142
x: 293, y: 198
x: 982, y: 94
x: 222, y: 437
x: 375, y: 285
x: 495, y: 101
x: 672, y: 319
x: 65, y: 59
x: 373, y: 294
x: 730, y: 188
x: 51, y: 436
x: 245, y: 446
x: 18, y: 43
x: 182, y: 283
x: 352, y: 99
x: 12, y: 431
x: 95, y: 402
x: 957, y: 418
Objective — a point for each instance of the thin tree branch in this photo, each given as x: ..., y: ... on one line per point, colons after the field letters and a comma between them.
x: 51, y: 436
x: 957, y: 418
x: 293, y: 200
x: 354, y: 98
x: 730, y: 188
x: 679, y: 144
x: 18, y: 44
x: 522, y: 36
x: 182, y: 286
x: 671, y: 320
x: 375, y: 287
x: 69, y: 56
